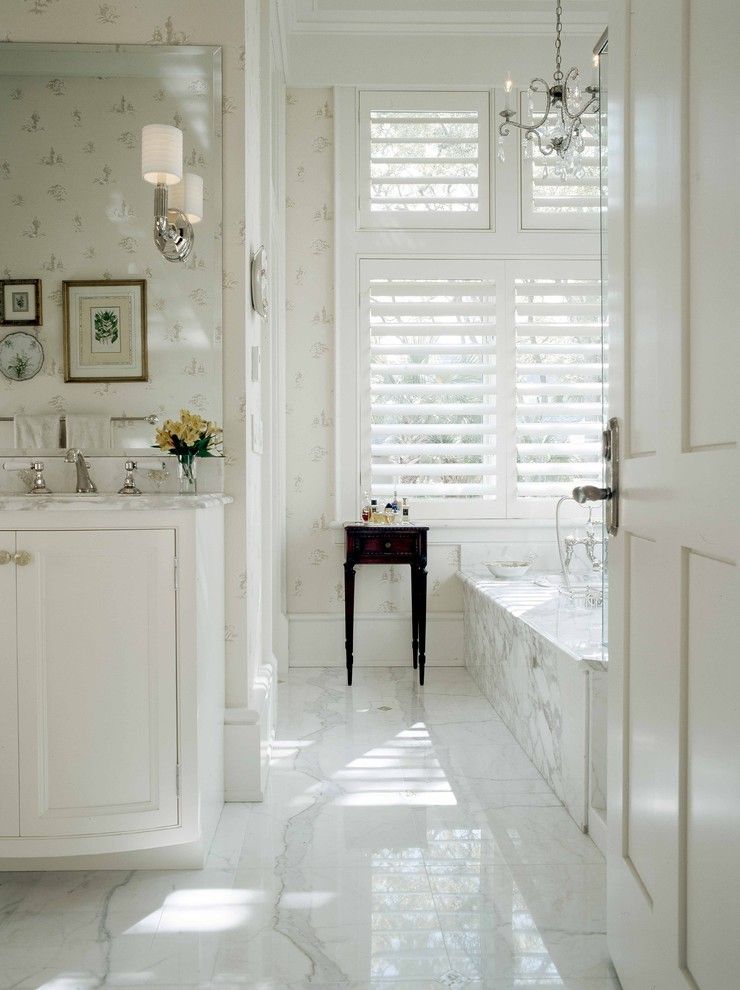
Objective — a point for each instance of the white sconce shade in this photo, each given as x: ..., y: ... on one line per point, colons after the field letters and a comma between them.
x: 161, y: 154
x: 187, y: 197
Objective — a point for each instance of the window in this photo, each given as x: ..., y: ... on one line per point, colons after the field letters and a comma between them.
x: 559, y: 380
x: 551, y: 199
x: 424, y: 160
x: 430, y: 357
x: 469, y: 361
x: 482, y: 383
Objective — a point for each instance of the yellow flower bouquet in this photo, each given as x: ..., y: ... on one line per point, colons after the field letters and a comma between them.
x: 189, y: 437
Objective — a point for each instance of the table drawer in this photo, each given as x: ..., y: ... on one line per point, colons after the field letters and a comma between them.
x: 382, y: 545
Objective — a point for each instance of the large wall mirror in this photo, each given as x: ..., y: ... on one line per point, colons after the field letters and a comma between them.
x: 100, y: 335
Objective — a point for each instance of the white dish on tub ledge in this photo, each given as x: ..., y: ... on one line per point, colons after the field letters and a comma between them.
x: 509, y: 568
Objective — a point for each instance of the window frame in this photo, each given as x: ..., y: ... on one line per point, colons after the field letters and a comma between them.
x: 529, y: 220
x: 412, y: 100
x: 369, y: 268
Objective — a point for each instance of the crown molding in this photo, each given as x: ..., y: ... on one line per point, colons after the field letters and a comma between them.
x: 493, y: 17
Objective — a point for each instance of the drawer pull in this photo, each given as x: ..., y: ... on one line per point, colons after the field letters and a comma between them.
x: 22, y: 558
x: 388, y: 545
x: 5, y: 557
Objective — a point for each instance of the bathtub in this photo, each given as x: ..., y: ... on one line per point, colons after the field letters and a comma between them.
x: 538, y: 658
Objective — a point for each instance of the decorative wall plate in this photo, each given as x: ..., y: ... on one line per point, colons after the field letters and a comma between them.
x: 21, y: 356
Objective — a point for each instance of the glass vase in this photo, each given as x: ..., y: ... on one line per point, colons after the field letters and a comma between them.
x: 187, y: 473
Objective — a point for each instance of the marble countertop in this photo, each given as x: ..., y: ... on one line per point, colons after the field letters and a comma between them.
x: 569, y: 626
x: 69, y: 502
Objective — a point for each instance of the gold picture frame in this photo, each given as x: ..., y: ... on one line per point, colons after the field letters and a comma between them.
x: 20, y: 302
x: 105, y: 336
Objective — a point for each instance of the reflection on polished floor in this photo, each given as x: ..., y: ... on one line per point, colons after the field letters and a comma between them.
x: 405, y: 841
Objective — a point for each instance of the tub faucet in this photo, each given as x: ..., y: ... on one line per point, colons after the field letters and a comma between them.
x: 85, y: 484
x: 588, y: 542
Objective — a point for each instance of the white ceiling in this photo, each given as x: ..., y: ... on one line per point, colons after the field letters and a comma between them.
x: 440, y: 16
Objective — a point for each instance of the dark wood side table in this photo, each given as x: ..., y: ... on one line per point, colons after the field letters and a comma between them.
x: 381, y: 544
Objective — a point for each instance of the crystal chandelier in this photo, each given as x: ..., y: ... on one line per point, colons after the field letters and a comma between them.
x: 559, y: 130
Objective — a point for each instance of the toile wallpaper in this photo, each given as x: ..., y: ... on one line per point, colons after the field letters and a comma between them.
x: 74, y: 206
x: 233, y: 24
x: 315, y: 551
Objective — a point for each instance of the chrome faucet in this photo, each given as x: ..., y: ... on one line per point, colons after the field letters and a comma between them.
x: 588, y: 542
x: 85, y: 484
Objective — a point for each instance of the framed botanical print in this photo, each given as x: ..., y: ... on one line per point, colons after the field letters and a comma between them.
x: 20, y: 302
x: 105, y: 331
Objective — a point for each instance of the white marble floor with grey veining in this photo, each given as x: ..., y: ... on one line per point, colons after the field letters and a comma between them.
x: 405, y: 842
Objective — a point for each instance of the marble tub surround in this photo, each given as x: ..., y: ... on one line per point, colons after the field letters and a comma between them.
x: 525, y: 647
x: 539, y: 602
x: 389, y: 853
x: 108, y: 473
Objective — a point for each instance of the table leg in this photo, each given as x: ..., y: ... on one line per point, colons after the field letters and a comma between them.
x: 422, y: 613
x: 415, y: 614
x: 349, y: 615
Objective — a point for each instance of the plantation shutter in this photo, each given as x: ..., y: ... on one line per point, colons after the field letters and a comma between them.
x: 424, y: 160
x: 430, y: 419
x: 559, y: 379
x: 552, y: 200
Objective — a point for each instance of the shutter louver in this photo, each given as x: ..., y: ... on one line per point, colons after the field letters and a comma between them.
x: 559, y: 385
x: 424, y: 160
x: 551, y: 199
x: 432, y: 353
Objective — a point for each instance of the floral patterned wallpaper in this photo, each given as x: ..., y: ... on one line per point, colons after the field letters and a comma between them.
x: 233, y: 24
x: 315, y: 552
x: 75, y: 207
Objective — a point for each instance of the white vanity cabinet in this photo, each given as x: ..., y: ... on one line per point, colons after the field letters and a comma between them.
x: 111, y: 681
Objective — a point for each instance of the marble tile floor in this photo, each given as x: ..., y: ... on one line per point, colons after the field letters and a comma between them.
x: 405, y: 842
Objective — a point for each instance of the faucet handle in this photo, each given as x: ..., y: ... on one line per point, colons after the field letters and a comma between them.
x: 39, y: 486
x: 129, y: 487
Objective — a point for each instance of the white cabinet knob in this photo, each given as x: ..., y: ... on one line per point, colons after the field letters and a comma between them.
x: 22, y: 558
x: 5, y: 557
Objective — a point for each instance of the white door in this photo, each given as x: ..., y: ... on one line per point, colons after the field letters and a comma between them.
x: 8, y: 690
x: 674, y: 613
x: 97, y: 682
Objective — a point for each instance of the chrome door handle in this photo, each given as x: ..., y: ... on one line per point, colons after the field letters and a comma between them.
x: 22, y: 558
x: 5, y: 557
x: 589, y: 493
x: 610, y: 494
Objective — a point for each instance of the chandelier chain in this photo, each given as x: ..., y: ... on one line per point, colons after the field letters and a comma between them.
x: 558, y: 31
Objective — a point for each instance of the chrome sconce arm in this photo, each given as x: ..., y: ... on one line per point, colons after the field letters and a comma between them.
x: 175, y: 212
x: 173, y: 232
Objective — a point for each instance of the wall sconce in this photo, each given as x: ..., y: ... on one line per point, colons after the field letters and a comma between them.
x: 161, y: 165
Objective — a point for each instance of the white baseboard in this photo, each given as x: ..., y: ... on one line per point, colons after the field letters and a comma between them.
x: 248, y: 736
x: 317, y: 640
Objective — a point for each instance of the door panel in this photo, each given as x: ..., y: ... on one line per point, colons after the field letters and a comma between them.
x: 97, y: 682
x: 674, y: 610
x: 8, y: 693
x: 713, y: 243
x: 711, y: 783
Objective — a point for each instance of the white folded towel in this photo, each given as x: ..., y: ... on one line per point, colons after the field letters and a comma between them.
x: 88, y: 432
x: 36, y: 432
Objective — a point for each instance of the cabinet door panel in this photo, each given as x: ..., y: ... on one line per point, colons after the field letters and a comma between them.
x: 8, y: 693
x: 97, y: 682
